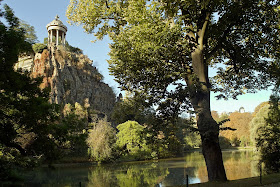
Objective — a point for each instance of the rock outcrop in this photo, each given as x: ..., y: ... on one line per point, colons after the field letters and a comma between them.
x: 72, y: 78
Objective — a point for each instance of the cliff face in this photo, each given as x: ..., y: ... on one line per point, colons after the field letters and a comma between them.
x: 72, y: 78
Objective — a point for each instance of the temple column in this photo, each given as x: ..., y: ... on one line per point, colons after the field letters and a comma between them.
x: 57, y: 36
x: 51, y: 37
x: 48, y: 38
x: 63, y: 39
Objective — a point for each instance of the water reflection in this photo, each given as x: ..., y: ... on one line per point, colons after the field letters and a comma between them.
x: 240, y: 164
x: 166, y: 172
x: 127, y: 175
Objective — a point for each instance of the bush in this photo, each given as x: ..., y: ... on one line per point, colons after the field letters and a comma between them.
x: 39, y: 47
x: 101, y: 141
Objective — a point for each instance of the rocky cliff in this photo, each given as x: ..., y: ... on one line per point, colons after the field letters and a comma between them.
x: 71, y: 77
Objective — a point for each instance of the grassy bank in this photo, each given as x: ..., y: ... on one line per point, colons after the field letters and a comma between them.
x: 254, y: 181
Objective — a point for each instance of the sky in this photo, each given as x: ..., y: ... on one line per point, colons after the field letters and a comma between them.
x: 39, y: 13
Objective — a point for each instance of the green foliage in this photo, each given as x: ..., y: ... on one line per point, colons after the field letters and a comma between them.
x: 38, y: 47
x: 69, y: 47
x: 72, y: 49
x: 133, y: 109
x: 30, y: 35
x: 131, y: 140
x: 128, y: 175
x: 80, y: 111
x: 70, y: 132
x: 8, y: 161
x: 24, y: 107
x: 224, y: 142
x: 170, y: 136
x: 46, y: 40
x: 164, y: 137
x: 268, y: 137
x: 192, y: 140
x: 162, y: 50
x: 245, y: 141
x: 101, y: 142
x: 157, y: 33
x: 258, y: 121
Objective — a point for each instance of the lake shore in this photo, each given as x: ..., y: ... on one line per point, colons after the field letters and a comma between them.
x: 166, y: 172
x: 271, y: 180
x: 84, y: 160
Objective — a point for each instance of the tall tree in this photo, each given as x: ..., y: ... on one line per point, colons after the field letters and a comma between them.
x: 30, y: 34
x: 163, y: 49
x: 268, y: 136
x: 258, y: 121
x: 24, y: 108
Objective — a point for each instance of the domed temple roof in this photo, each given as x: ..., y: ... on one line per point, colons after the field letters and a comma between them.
x: 56, y: 24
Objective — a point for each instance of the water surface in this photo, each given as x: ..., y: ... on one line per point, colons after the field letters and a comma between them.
x: 164, y: 172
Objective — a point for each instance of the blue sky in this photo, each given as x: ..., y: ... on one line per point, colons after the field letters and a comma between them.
x: 39, y: 13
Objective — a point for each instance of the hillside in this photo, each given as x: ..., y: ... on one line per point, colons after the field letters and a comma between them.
x: 71, y: 78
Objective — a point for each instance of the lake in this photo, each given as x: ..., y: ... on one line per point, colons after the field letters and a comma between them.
x: 163, y: 172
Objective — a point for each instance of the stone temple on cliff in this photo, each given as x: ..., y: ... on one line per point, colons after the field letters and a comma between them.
x: 56, y: 32
x: 70, y: 75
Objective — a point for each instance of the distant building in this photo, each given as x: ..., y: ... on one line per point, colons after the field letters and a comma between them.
x: 242, y: 110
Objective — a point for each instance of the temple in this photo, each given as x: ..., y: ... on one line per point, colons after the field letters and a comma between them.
x: 56, y: 33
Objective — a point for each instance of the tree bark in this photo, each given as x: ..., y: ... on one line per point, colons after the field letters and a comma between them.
x: 209, y: 132
x: 207, y: 126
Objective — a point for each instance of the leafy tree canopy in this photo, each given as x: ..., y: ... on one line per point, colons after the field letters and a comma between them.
x: 30, y: 34
x: 131, y: 139
x: 163, y: 49
x: 241, y: 35
x: 133, y: 109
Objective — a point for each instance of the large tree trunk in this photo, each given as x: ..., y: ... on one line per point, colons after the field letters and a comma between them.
x: 211, y: 150
x: 207, y: 126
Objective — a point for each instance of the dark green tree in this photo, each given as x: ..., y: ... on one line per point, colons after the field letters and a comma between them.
x: 24, y: 107
x: 268, y: 139
x: 261, y: 113
x: 162, y: 44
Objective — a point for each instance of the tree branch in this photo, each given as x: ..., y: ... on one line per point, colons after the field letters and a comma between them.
x: 227, y: 128
x: 201, y: 33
